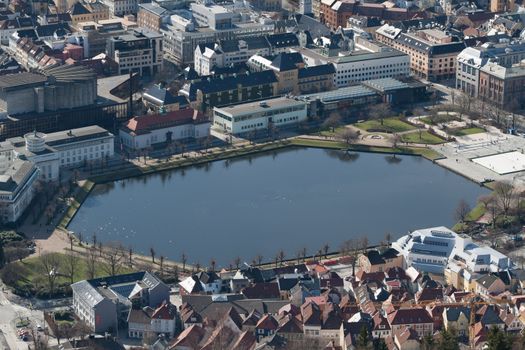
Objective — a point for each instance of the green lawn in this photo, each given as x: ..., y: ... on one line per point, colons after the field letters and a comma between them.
x: 466, y: 131
x: 32, y: 275
x: 426, y: 138
x: 389, y: 125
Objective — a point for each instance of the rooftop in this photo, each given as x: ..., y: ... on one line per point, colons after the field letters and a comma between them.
x: 262, y: 106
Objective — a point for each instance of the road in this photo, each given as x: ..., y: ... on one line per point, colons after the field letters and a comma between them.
x: 9, y: 313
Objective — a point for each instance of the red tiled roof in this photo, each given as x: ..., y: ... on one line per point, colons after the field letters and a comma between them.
x: 158, y: 121
x: 409, y: 316
x: 267, y: 322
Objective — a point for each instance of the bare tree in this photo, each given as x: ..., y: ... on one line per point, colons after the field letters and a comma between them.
x: 71, y: 265
x: 333, y: 121
x: 395, y: 140
x: 161, y: 266
x: 113, y: 257
x: 281, y: 256
x: 348, y: 136
x: 50, y: 264
x: 184, y: 260
x: 504, y: 193
x: 130, y: 256
x: 490, y: 205
x: 462, y: 211
x: 326, y: 247
x: 259, y: 259
x: 303, y: 252
x: 380, y: 112
x: 213, y: 265
x: 237, y: 262
x: 388, y: 237
x: 91, y: 262
x: 152, y: 253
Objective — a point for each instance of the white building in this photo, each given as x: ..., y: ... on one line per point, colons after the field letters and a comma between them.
x: 252, y: 116
x: 361, y: 65
x: 63, y: 149
x: 144, y: 131
x: 17, y: 178
x: 434, y: 249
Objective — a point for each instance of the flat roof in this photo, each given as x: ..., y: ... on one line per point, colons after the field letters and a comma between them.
x: 74, y: 135
x: 260, y: 106
x: 341, y: 94
x: 386, y: 84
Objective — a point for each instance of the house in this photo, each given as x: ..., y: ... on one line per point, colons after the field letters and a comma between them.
x: 381, y: 327
x: 157, y: 98
x: 265, y: 290
x: 416, y: 318
x: 407, y: 339
x: 457, y: 318
x: 489, y: 285
x: 266, y: 326
x: 102, y: 302
x: 148, y: 321
x: 179, y: 125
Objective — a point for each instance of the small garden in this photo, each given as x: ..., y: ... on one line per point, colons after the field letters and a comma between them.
x: 466, y: 131
x: 424, y: 137
x: 389, y: 125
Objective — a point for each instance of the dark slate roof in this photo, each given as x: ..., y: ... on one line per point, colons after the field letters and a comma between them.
x: 283, y: 40
x: 454, y: 312
x: 423, y: 46
x: 287, y: 61
x: 79, y: 9
x: 50, y: 29
x: 212, y: 85
x: 162, y: 96
x: 307, y: 23
x: 285, y: 284
x: 253, y: 43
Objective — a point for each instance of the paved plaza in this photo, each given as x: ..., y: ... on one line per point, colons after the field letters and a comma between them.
x: 503, y: 163
x: 503, y: 155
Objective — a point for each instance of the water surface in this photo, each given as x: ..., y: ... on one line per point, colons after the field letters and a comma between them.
x: 289, y: 199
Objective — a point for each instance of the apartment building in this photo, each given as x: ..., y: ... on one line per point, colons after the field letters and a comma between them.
x: 360, y: 65
x: 432, y: 52
x: 151, y: 15
x: 472, y: 59
x: 138, y: 50
x: 502, y: 85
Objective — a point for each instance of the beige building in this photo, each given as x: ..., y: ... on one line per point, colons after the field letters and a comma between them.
x: 502, y: 5
x: 432, y: 52
x: 83, y: 11
x: 375, y: 261
x: 457, y: 318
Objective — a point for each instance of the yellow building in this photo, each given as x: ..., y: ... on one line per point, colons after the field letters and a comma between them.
x: 83, y: 11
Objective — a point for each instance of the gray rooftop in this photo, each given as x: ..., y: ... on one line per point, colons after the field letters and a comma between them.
x: 344, y: 93
x: 260, y: 106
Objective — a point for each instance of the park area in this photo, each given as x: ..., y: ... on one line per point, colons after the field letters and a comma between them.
x: 50, y: 274
x: 423, y: 137
x: 389, y: 125
x: 465, y: 131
